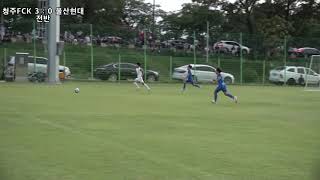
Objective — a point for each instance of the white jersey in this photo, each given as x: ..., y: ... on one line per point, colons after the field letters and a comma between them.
x: 139, y: 75
x: 139, y: 72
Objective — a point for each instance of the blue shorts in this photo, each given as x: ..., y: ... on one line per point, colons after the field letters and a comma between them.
x: 189, y: 80
x: 221, y: 88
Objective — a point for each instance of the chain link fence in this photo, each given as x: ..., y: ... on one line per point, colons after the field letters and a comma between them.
x: 87, y: 54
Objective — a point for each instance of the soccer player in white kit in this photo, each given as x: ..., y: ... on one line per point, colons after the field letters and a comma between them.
x: 139, y: 78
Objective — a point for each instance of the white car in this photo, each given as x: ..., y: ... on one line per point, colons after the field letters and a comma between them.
x: 41, y: 66
x: 294, y: 75
x: 201, y: 73
x: 230, y: 47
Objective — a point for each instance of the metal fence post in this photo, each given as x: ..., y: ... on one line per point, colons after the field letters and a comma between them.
x: 264, y: 72
x: 119, y: 69
x: 145, y: 54
x: 64, y: 58
x: 241, y: 60
x: 207, y: 49
x: 91, y: 51
x: 34, y: 46
x: 194, y: 51
x: 5, y: 57
x: 170, y: 71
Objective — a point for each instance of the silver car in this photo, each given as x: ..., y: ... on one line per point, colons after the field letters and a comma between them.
x: 201, y: 73
x: 230, y: 47
x: 41, y: 66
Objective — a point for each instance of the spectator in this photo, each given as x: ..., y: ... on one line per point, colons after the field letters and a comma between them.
x: 141, y: 37
x: 65, y: 35
x: 87, y: 40
x: 75, y: 41
x: 71, y: 37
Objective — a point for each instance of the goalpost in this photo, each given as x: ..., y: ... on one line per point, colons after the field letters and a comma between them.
x: 313, y: 74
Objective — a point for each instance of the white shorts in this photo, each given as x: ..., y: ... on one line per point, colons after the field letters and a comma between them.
x: 139, y: 80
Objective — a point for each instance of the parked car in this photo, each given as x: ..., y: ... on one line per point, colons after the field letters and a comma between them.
x: 303, y: 52
x: 41, y: 65
x: 179, y: 44
x: 230, y: 47
x: 201, y: 73
x: 294, y: 75
x: 9, y: 73
x: 127, y: 71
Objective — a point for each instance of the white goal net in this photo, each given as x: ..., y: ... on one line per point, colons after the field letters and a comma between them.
x: 312, y: 77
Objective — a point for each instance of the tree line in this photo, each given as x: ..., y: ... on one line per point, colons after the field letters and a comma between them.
x: 271, y: 19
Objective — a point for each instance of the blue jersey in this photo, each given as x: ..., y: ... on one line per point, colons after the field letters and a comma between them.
x: 220, y: 81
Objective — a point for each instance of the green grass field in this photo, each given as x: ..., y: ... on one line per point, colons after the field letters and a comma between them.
x: 113, y: 131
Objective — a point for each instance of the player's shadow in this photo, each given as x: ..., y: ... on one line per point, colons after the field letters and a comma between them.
x: 262, y: 103
x: 3, y: 173
x: 316, y: 171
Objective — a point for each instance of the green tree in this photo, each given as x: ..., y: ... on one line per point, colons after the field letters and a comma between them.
x: 306, y: 19
x: 238, y: 13
x: 234, y: 19
x: 193, y: 18
x: 104, y: 15
x: 138, y: 15
x: 288, y: 7
x: 19, y: 23
x: 274, y: 30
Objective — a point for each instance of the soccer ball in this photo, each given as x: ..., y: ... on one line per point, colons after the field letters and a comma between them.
x: 76, y: 90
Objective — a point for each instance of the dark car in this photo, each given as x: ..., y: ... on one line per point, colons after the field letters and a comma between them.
x: 127, y: 71
x: 303, y: 52
x: 178, y: 44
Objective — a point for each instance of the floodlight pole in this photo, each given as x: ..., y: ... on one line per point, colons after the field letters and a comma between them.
x: 53, y: 38
x: 57, y: 39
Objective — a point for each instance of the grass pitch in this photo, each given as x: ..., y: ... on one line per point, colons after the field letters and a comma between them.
x: 113, y: 131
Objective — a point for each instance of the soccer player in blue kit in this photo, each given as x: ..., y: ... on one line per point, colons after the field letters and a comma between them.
x: 222, y: 87
x: 189, y: 79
